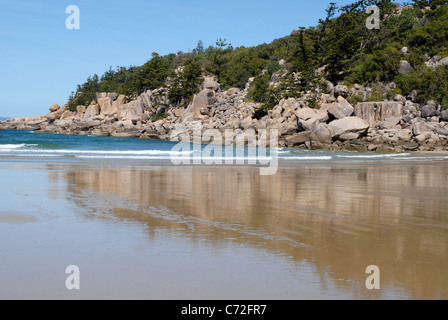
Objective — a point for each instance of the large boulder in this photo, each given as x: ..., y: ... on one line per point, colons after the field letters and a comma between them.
x: 67, y: 114
x: 307, y: 117
x: 405, y: 67
x: 55, y: 107
x: 125, y: 129
x: 341, y: 109
x: 374, y: 112
x: 102, y: 95
x: 442, y: 131
x: 341, y: 90
x: 289, y: 129
x: 444, y: 116
x: 123, y: 125
x: 246, y: 123
x: 349, y: 136
x: 306, y: 114
x: 297, y: 139
x: 86, y: 124
x: 233, y: 91
x: 81, y: 109
x: 146, y: 98
x: 443, y: 62
x: 349, y: 124
x: 429, y: 111
x: 405, y: 135
x: 210, y: 83
x: 92, y: 110
x: 322, y: 133
x: 130, y: 111
x: 412, y: 95
x: 55, y: 115
x: 421, y: 138
x: 106, y: 106
x: 420, y: 127
x: 200, y: 101
x: 390, y: 122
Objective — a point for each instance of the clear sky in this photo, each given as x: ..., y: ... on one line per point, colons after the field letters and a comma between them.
x: 41, y: 61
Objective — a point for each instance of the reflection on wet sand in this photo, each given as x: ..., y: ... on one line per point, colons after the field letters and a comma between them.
x: 14, y: 217
x: 340, y: 218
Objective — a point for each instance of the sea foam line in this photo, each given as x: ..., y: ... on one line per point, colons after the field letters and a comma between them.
x: 368, y: 156
x: 103, y: 152
x: 5, y: 147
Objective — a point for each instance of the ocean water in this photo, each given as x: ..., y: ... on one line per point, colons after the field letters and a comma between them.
x: 26, y: 144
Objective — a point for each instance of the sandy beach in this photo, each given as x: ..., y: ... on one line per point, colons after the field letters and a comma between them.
x: 139, y: 231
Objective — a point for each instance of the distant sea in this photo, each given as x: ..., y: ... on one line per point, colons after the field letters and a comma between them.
x: 3, y: 118
x: 30, y: 145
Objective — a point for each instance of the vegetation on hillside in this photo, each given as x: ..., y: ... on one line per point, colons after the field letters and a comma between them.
x: 340, y: 46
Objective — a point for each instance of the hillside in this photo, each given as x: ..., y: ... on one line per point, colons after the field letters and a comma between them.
x: 408, y: 49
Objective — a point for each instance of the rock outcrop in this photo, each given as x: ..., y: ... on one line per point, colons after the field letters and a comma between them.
x: 374, y: 112
x: 398, y: 125
x: 55, y: 107
x: 353, y: 127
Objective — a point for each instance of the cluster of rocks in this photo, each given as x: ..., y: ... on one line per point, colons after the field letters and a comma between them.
x: 386, y: 126
x: 431, y: 62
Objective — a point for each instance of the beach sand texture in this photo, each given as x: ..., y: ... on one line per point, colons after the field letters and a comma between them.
x: 202, y: 232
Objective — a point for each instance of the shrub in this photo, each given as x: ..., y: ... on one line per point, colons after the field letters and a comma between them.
x: 429, y: 84
x: 354, y: 99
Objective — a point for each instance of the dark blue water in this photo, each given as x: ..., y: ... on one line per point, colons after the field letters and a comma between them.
x: 27, y: 144
x: 21, y: 143
x: 18, y: 142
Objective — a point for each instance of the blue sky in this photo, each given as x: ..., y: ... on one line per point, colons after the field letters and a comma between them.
x: 41, y: 61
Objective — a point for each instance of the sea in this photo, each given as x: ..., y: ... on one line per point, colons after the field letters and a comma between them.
x: 22, y: 144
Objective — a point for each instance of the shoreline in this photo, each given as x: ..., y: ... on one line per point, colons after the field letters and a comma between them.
x: 353, y: 146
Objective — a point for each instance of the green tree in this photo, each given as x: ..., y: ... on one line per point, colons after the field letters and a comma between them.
x: 185, y: 84
x: 152, y: 74
x: 218, y: 57
x: 242, y: 64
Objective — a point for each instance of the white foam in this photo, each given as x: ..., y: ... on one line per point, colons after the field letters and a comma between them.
x: 180, y: 156
x: 124, y: 157
x: 208, y: 159
x: 252, y: 159
x: 105, y: 153
x: 308, y: 158
x: 426, y: 158
x: 5, y: 147
x: 374, y: 156
x: 37, y: 155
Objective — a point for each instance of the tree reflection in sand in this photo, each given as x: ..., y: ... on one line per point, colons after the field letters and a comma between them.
x: 341, y: 218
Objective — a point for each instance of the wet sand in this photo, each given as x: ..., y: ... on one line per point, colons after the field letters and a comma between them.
x: 199, y: 232
x: 15, y: 217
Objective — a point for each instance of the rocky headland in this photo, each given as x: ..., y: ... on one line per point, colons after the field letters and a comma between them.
x: 284, y: 86
x: 332, y: 123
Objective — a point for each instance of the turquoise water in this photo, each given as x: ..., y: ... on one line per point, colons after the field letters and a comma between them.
x: 27, y: 144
